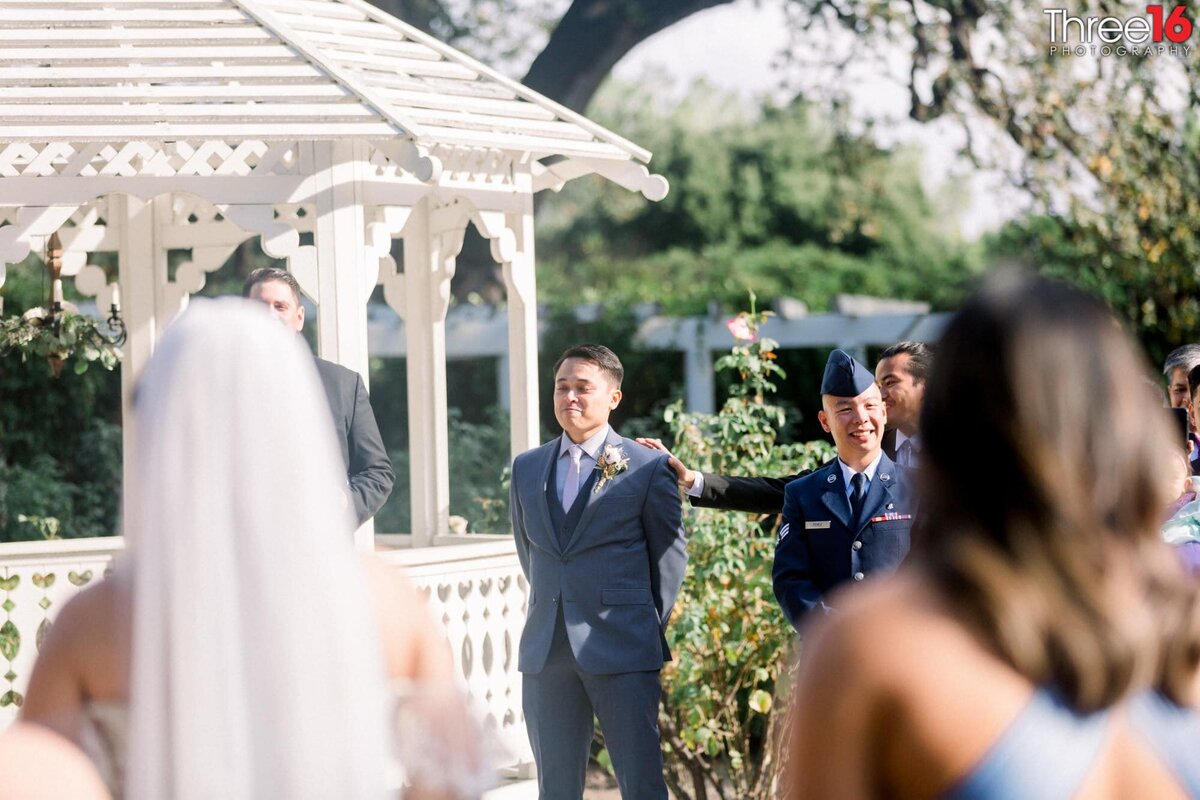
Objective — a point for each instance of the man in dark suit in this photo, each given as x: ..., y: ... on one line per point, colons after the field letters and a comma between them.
x: 599, y: 534
x: 850, y: 518
x: 900, y: 373
x: 369, y: 475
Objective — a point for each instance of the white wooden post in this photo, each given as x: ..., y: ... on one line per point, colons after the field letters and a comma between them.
x: 699, y: 379
x: 429, y: 255
x: 345, y: 275
x: 521, y: 284
x: 142, y: 264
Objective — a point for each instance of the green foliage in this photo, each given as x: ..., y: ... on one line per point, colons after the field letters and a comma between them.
x: 775, y: 200
x: 70, y: 335
x: 1106, y: 143
x: 60, y: 441
x: 730, y: 640
x: 39, y: 501
x: 479, y: 458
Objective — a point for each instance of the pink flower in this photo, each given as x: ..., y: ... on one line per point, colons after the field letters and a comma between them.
x: 740, y: 329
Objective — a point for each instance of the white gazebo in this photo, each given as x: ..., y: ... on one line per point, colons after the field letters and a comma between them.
x: 326, y: 127
x: 329, y: 129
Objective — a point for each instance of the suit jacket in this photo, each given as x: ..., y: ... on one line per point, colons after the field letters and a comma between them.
x: 612, y: 567
x: 821, y: 547
x: 369, y: 472
x: 733, y: 493
x: 760, y: 495
x: 888, y: 443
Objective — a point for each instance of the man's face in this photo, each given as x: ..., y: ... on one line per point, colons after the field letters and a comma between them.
x: 1177, y: 388
x: 900, y: 393
x: 1193, y: 409
x: 856, y: 424
x: 583, y: 398
x: 278, y: 297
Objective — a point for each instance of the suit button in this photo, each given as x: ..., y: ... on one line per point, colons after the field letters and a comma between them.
x: 556, y: 601
x: 857, y: 544
x: 858, y: 576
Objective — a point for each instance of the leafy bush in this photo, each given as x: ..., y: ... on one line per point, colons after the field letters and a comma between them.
x: 479, y: 456
x: 730, y: 639
x: 39, y: 501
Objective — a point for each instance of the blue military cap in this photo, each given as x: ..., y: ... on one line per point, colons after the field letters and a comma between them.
x: 845, y: 377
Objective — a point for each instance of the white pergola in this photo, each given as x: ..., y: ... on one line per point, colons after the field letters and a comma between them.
x: 327, y: 128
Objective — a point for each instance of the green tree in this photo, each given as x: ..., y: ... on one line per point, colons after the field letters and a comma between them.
x: 60, y: 439
x: 772, y: 199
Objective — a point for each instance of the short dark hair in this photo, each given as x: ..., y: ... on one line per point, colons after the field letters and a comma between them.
x: 1187, y: 356
x: 599, y: 355
x: 266, y: 274
x: 920, y: 358
x: 1193, y: 380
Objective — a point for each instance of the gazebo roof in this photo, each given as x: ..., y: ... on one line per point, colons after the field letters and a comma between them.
x: 266, y: 70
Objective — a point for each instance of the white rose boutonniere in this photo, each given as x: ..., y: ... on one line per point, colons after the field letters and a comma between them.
x: 612, y: 462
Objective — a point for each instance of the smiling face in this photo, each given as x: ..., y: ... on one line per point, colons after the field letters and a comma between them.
x: 856, y: 424
x: 900, y: 392
x: 584, y: 396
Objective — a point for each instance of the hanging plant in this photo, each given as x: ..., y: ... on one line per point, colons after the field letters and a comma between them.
x: 56, y: 338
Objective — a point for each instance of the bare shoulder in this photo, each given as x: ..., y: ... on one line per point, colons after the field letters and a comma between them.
x: 94, y: 617
x: 872, y: 619
x: 38, y: 763
x: 414, y: 646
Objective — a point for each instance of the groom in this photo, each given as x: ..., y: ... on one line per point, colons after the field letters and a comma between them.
x: 599, y: 533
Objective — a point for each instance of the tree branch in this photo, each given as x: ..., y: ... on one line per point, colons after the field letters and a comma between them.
x: 593, y: 36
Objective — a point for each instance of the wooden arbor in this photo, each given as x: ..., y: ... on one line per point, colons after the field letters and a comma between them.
x: 327, y: 128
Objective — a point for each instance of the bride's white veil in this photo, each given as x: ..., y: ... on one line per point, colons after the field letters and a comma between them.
x: 256, y: 666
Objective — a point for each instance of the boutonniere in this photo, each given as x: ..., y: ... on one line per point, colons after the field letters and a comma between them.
x: 612, y: 462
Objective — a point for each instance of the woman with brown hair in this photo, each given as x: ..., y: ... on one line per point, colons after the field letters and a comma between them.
x: 1041, y: 641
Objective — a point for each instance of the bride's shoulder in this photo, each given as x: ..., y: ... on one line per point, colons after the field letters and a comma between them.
x: 95, y: 614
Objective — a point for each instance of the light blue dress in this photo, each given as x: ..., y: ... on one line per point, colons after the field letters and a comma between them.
x: 1049, y: 749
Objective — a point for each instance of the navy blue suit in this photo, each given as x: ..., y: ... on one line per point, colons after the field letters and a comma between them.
x: 820, y: 546
x: 603, y: 577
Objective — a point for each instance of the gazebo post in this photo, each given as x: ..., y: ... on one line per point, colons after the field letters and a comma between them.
x: 521, y: 286
x: 142, y: 265
x: 344, y: 277
x: 429, y: 259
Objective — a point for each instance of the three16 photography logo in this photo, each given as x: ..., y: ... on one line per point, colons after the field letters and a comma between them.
x: 1163, y: 30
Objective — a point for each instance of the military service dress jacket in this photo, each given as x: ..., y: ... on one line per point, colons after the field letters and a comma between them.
x: 821, y: 547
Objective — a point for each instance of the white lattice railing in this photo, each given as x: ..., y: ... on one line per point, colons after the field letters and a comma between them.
x: 473, y: 582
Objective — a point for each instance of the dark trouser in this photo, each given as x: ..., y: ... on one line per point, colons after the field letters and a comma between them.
x: 559, y: 703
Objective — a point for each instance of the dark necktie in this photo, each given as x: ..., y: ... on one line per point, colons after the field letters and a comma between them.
x: 858, y: 483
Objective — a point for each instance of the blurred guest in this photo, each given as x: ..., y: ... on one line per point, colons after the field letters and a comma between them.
x: 241, y: 649
x: 1179, y: 363
x: 1041, y: 641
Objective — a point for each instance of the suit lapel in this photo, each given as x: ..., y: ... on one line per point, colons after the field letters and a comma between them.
x: 551, y: 453
x: 834, y: 497
x: 594, y: 491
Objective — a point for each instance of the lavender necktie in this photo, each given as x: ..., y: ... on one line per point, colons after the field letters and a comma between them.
x: 571, y: 485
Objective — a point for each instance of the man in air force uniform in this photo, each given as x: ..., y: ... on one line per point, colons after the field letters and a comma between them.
x: 850, y: 519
